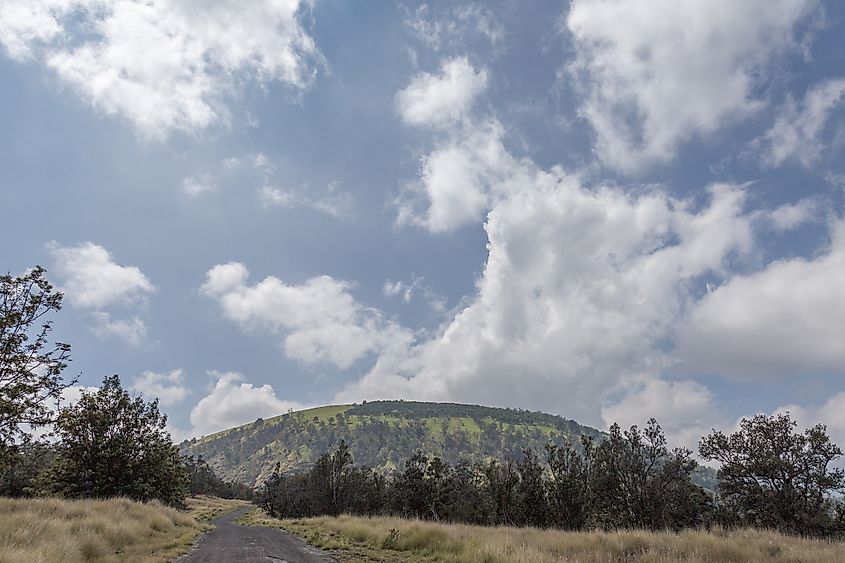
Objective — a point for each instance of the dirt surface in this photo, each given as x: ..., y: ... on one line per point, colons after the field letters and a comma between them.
x: 232, y: 543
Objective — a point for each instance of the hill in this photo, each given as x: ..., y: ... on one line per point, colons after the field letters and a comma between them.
x: 381, y: 435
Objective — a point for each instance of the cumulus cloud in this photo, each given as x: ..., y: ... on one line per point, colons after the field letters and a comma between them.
x: 460, y: 179
x: 686, y: 410
x: 91, y: 279
x: 796, y: 134
x: 655, y: 74
x: 783, y: 319
x: 169, y: 388
x: 162, y: 65
x: 469, y: 167
x: 440, y: 100
x: 319, y: 319
x: 233, y: 401
x: 580, y: 287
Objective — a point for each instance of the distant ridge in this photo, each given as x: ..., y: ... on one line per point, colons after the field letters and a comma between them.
x: 381, y: 435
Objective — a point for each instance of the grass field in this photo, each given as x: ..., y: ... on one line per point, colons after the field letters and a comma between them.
x: 394, y: 540
x: 54, y: 530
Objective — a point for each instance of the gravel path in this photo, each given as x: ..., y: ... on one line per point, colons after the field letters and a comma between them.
x: 232, y: 543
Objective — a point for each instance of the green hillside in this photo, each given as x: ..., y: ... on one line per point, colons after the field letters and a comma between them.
x: 381, y: 435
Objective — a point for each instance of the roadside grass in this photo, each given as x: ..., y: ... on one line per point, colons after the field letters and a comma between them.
x: 205, y: 508
x: 393, y: 539
x: 56, y: 530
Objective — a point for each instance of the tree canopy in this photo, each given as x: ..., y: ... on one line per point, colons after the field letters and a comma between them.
x: 772, y: 476
x: 115, y: 445
x: 31, y: 367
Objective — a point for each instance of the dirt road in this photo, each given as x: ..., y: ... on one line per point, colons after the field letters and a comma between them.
x: 232, y: 543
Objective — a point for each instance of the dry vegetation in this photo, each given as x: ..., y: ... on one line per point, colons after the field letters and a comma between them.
x: 206, y: 508
x: 392, y: 539
x: 54, y: 530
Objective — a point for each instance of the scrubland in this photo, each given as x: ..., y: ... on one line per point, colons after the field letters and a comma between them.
x: 55, y: 530
x: 393, y: 540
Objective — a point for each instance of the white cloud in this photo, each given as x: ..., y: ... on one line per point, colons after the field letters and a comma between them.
x: 91, y: 279
x: 276, y: 197
x: 233, y: 402
x: 579, y: 290
x: 400, y: 288
x: 319, y: 320
x: 686, y: 410
x: 162, y: 65
x: 461, y: 179
x: 416, y: 287
x: 168, y: 388
x: 330, y: 201
x: 443, y: 99
x: 796, y: 134
x: 453, y: 28
x: 654, y: 74
x: 133, y: 330
x: 785, y: 319
x: 469, y: 168
x: 260, y: 172
x: 194, y: 186
x: 792, y: 215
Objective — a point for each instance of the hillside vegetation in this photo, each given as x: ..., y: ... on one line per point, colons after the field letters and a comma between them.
x: 393, y: 540
x: 381, y: 435
x: 54, y: 530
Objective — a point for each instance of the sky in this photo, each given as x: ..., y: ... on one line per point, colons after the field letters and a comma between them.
x: 604, y: 209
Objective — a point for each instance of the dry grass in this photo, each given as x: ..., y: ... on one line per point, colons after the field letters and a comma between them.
x: 363, y: 539
x: 55, y: 530
x: 206, y: 508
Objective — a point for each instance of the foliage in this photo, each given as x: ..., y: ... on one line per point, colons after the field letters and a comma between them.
x: 113, y: 445
x: 772, y: 476
x: 629, y: 480
x: 30, y: 367
x: 634, y: 479
x: 27, y: 475
x: 203, y: 481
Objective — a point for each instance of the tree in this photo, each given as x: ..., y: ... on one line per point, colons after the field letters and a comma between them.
x: 532, y: 509
x: 30, y: 367
x: 772, y: 476
x: 568, y: 484
x: 113, y: 445
x: 637, y: 482
x: 411, y: 491
x: 26, y: 477
x: 329, y: 478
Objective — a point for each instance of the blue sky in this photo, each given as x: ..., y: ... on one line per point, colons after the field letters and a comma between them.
x: 605, y: 209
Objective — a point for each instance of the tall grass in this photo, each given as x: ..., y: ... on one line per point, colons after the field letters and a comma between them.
x: 55, y: 530
x: 409, y: 540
